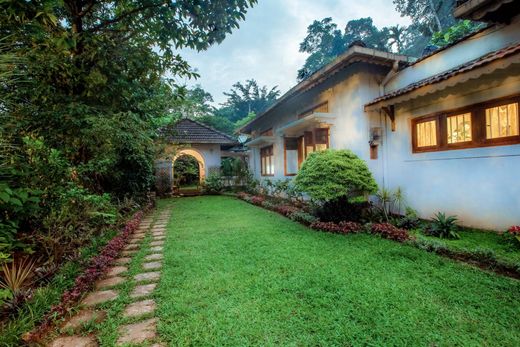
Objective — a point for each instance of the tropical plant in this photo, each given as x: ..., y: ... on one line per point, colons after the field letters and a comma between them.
x: 512, y: 235
x: 409, y: 221
x: 17, y: 275
x: 303, y: 217
x: 443, y: 226
x: 332, y: 174
x: 454, y: 33
x: 213, y: 183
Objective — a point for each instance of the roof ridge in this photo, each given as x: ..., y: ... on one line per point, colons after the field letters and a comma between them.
x: 208, y: 127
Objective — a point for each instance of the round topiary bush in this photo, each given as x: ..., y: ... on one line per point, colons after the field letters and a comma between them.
x: 333, y: 174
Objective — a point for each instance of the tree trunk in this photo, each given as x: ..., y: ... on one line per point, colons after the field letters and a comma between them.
x: 435, y: 15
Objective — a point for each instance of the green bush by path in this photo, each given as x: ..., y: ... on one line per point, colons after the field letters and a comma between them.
x: 235, y: 274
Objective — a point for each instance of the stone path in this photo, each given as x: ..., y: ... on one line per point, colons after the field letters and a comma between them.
x: 143, y: 326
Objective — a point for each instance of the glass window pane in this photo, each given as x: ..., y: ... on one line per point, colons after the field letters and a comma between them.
x: 459, y: 128
x: 426, y: 133
x: 502, y: 121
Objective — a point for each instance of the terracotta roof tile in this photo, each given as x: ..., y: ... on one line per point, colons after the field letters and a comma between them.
x: 190, y: 131
x: 473, y: 64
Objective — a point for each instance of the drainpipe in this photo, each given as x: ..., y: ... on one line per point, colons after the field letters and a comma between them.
x: 391, y: 74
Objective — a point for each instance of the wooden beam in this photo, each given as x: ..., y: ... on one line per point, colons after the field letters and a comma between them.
x: 390, y: 112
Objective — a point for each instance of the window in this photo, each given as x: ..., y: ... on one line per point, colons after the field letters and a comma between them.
x: 459, y: 128
x: 493, y: 123
x: 426, y: 133
x: 321, y: 137
x: 502, y: 121
x: 291, y: 156
x: 308, y: 139
x: 267, y: 161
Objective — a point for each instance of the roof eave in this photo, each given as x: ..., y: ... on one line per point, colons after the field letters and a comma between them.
x: 323, y: 73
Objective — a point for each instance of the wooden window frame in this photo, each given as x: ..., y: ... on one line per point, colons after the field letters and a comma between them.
x: 478, y: 127
x: 285, y: 155
x: 262, y: 166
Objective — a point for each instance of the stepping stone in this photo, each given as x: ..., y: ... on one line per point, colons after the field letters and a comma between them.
x: 158, y: 230
x: 99, y: 297
x: 154, y: 257
x: 83, y: 317
x: 159, y: 226
x: 154, y: 265
x: 123, y: 261
x: 157, y: 233
x: 156, y: 249
x: 157, y: 243
x: 143, y: 290
x: 74, y: 341
x: 159, y: 238
x: 128, y: 253
x: 148, y: 276
x: 116, y: 270
x: 139, y: 308
x: 131, y: 246
x: 109, y: 282
x: 138, y: 235
x: 138, y: 332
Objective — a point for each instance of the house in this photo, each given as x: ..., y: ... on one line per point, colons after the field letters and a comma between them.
x: 444, y: 128
x: 189, y: 137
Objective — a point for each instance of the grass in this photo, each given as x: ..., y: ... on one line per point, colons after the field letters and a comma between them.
x: 235, y: 274
x: 44, y: 297
x: 472, y: 240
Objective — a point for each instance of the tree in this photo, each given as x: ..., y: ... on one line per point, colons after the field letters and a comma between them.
x: 454, y: 33
x: 430, y: 16
x: 334, y: 174
x: 246, y: 98
x: 324, y: 41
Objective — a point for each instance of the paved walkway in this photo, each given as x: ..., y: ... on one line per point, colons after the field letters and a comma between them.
x: 141, y: 325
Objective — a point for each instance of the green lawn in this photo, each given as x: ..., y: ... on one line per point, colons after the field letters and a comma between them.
x: 239, y: 275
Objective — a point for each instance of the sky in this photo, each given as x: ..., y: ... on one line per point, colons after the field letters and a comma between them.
x: 265, y: 47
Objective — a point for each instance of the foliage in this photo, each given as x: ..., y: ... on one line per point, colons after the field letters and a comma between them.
x: 257, y: 200
x: 213, y: 183
x: 390, y: 202
x: 454, y: 33
x: 343, y: 209
x: 389, y: 231
x: 333, y: 174
x: 186, y: 171
x: 246, y: 98
x: 85, y: 281
x: 303, y: 217
x: 443, y: 227
x: 512, y: 235
x: 337, y: 228
x: 83, y: 92
x: 430, y: 15
x: 285, y: 210
x: 409, y: 221
x: 17, y: 275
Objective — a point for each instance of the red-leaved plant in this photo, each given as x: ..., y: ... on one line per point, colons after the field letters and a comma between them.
x: 513, y: 234
x: 341, y: 228
x: 389, y: 231
x: 242, y: 195
x: 84, y: 282
x: 257, y: 200
x: 285, y: 210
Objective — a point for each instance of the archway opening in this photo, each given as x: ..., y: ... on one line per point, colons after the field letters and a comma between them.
x: 187, y: 173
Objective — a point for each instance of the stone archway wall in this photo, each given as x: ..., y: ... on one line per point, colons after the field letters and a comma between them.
x: 197, y: 155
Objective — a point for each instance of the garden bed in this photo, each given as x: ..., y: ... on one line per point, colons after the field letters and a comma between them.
x: 484, y: 249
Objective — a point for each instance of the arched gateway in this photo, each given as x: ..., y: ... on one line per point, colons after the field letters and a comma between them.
x: 188, y: 137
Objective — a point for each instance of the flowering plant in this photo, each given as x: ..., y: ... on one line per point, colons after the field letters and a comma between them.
x: 513, y: 234
x: 84, y: 282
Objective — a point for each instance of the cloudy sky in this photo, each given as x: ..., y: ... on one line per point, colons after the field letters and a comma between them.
x: 265, y: 47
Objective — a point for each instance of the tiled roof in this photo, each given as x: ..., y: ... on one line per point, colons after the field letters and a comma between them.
x: 190, y: 131
x: 473, y: 64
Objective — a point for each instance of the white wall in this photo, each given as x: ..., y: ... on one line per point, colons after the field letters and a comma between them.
x: 211, y: 154
x: 479, y: 185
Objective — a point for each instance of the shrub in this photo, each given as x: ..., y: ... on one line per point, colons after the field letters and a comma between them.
x: 512, y: 235
x: 257, y: 200
x: 341, y: 228
x: 389, y: 231
x: 268, y: 205
x: 303, y: 217
x: 409, y: 220
x: 285, y: 210
x: 242, y: 195
x: 331, y: 174
x: 342, y: 209
x: 213, y: 184
x: 443, y: 227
